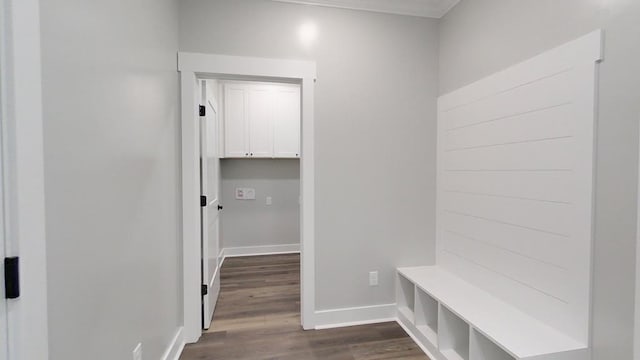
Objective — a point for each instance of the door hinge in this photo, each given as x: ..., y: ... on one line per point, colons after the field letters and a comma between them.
x: 204, y: 289
x: 12, y: 277
x: 203, y: 110
x: 203, y: 200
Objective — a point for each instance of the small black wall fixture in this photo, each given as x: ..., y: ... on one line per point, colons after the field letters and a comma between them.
x: 12, y: 277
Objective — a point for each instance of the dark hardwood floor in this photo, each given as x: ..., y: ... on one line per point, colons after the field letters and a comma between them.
x: 257, y: 317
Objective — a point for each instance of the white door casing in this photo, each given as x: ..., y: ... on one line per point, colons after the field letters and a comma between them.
x: 261, y: 69
x: 4, y: 324
x: 210, y: 189
x: 636, y: 337
x: 22, y: 163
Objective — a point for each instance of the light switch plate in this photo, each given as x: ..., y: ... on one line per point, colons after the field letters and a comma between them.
x: 269, y: 200
x: 373, y: 278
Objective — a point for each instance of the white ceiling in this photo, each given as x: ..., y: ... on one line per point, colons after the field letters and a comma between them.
x: 422, y: 8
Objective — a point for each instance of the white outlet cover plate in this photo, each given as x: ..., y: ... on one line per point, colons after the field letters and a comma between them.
x: 249, y: 194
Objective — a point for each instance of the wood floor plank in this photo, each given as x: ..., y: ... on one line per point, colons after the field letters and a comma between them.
x: 258, y: 318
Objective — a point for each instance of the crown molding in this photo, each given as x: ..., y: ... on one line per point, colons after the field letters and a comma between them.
x: 421, y: 8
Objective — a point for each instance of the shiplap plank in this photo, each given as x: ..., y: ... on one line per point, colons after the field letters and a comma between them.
x: 552, y: 154
x: 549, y: 123
x: 523, y: 269
x: 519, y: 240
x: 543, y: 217
x: 548, y: 92
x: 523, y: 297
x: 551, y: 186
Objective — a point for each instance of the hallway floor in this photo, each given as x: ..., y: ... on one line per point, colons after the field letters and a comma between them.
x: 258, y: 318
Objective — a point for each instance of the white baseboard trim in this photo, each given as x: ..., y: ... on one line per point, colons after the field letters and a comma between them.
x: 335, y: 318
x: 261, y: 250
x: 174, y: 350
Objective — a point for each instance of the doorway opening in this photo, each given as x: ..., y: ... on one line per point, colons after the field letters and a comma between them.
x: 216, y: 71
x: 250, y: 163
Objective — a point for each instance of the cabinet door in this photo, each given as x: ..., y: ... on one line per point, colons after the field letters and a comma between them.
x: 235, y: 121
x: 286, y: 134
x: 260, y: 114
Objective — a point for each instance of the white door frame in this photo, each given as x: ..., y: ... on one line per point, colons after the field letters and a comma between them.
x: 636, y: 335
x: 193, y: 66
x: 23, y: 169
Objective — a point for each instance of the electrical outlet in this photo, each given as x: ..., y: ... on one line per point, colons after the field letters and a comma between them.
x: 269, y: 200
x: 373, y: 278
x: 137, y: 352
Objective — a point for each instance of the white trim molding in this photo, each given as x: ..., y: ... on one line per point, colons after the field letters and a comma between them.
x: 363, y: 315
x: 23, y: 168
x: 425, y: 8
x: 193, y: 66
x: 227, y: 65
x: 636, y: 336
x: 176, y: 347
x: 261, y: 250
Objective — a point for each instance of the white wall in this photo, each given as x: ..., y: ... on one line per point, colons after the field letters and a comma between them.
x: 252, y: 222
x: 480, y: 37
x: 375, y: 130
x: 112, y: 177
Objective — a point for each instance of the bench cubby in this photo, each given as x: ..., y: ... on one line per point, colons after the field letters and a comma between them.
x: 426, y: 315
x: 453, y: 339
x: 482, y: 348
x: 406, y: 298
x: 453, y: 320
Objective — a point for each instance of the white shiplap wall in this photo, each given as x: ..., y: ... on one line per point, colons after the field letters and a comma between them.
x: 515, y: 183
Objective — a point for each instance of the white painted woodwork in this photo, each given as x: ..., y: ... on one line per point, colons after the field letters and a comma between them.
x: 304, y: 72
x: 4, y: 323
x: 423, y: 8
x: 261, y: 120
x: 191, y: 217
x: 515, y: 184
x: 453, y: 335
x: 210, y: 187
x: 406, y: 298
x: 426, y: 316
x: 636, y: 336
x: 464, y: 306
x: 286, y: 122
x: 514, y: 214
x: 26, y: 321
x: 236, y: 141
x: 482, y: 348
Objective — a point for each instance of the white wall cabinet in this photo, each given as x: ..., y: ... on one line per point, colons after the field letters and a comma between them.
x: 261, y: 121
x: 286, y: 124
x: 236, y: 142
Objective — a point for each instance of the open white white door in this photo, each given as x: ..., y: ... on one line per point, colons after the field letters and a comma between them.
x: 210, y: 190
